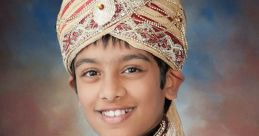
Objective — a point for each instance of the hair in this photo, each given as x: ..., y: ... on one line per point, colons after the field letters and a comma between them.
x: 163, y: 67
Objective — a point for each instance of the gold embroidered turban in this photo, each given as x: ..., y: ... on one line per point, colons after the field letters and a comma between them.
x: 156, y: 26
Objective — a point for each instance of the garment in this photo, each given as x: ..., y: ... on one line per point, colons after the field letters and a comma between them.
x: 167, y: 128
x: 175, y: 127
x: 156, y: 26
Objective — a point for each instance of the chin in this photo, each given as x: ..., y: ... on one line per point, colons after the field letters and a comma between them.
x: 117, y: 132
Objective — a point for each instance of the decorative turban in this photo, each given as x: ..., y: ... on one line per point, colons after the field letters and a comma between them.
x: 156, y: 26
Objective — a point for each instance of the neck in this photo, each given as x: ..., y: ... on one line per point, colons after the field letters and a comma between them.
x: 160, y: 129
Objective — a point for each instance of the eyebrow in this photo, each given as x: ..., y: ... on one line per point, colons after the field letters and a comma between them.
x: 85, y: 60
x: 124, y: 58
x: 135, y: 56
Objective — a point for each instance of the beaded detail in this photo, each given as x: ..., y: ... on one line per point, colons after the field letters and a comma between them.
x: 163, y: 127
x: 167, y: 128
x: 156, y: 26
x: 152, y: 35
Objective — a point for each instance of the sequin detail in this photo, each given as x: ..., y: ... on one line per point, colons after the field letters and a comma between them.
x: 133, y: 20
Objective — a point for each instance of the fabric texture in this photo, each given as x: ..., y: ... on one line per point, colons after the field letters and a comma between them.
x: 157, y: 26
x: 175, y: 126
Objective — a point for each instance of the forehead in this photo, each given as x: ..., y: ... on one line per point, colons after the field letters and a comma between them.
x: 112, y: 52
x: 110, y: 48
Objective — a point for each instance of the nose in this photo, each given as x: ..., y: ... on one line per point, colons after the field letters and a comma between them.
x: 111, y: 89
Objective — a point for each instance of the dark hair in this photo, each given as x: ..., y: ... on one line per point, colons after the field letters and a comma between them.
x: 163, y: 67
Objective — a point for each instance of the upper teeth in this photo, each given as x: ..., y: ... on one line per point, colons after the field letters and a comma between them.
x: 116, y: 113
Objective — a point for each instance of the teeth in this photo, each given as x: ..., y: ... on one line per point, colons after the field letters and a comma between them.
x: 116, y: 113
x: 110, y: 113
x: 128, y: 110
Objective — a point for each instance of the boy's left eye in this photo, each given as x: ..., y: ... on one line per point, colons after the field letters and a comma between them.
x: 132, y: 70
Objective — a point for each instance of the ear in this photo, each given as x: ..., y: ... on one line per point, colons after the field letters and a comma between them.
x: 71, y: 82
x: 173, y: 81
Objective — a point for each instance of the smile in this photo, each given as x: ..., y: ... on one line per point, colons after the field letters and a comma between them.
x: 116, y: 113
x: 115, y: 116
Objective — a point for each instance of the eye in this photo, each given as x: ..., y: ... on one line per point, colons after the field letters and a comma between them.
x: 91, y: 73
x: 132, y: 70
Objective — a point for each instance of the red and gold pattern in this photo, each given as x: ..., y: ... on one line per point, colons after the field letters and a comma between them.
x: 157, y: 26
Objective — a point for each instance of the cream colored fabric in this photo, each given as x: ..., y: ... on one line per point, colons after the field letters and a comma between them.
x: 157, y: 26
x: 175, y: 128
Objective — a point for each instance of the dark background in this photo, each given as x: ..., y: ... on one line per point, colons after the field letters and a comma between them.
x: 218, y: 98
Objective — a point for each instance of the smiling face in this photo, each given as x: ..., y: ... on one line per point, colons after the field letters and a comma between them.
x: 119, y: 89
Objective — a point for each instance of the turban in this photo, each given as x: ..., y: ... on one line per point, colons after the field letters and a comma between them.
x: 156, y: 26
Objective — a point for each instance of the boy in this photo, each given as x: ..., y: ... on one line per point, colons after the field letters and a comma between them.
x: 124, y: 58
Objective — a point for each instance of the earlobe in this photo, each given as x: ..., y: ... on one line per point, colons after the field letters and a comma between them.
x: 173, y: 81
x: 71, y: 82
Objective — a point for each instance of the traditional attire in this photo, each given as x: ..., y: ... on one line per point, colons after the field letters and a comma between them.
x: 156, y: 26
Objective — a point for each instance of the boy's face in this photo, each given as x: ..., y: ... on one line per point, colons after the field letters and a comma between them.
x: 119, y: 89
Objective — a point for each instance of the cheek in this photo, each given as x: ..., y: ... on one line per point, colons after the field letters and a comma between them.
x: 149, y: 98
x: 87, y: 95
x: 147, y: 91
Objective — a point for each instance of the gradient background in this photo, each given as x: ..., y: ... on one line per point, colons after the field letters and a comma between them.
x: 218, y: 98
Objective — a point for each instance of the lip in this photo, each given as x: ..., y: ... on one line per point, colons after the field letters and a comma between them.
x: 115, y: 119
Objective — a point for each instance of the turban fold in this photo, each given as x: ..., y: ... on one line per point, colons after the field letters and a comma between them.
x: 156, y: 26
